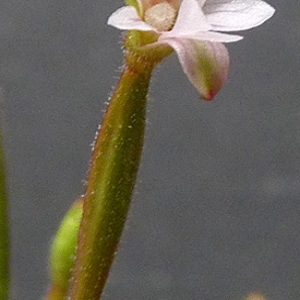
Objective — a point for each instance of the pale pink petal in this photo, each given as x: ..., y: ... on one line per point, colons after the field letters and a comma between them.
x: 126, y: 18
x: 201, y: 2
x: 209, y: 36
x: 205, y: 63
x: 191, y: 24
x: 235, y: 15
x: 190, y: 19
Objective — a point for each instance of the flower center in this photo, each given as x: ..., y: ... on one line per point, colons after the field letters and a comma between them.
x: 161, y: 16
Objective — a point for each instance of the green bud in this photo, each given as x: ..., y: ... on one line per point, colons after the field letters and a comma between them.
x: 63, y: 247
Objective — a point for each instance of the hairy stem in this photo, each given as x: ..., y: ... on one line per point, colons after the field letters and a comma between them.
x: 111, y: 180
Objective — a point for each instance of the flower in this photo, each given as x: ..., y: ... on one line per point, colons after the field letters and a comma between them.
x: 195, y: 29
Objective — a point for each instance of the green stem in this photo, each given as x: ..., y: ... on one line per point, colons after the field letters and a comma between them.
x: 4, y: 231
x: 111, y: 180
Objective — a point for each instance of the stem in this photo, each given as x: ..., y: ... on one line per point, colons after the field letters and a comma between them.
x: 4, y: 231
x: 111, y: 180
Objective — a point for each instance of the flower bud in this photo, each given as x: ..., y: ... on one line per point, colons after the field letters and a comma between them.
x: 63, y: 247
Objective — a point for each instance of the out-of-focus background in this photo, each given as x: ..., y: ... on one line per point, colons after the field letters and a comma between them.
x: 216, y: 210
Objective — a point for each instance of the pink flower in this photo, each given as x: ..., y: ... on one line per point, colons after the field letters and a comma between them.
x: 195, y: 29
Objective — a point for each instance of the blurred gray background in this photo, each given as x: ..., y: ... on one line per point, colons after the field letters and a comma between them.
x: 216, y: 211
